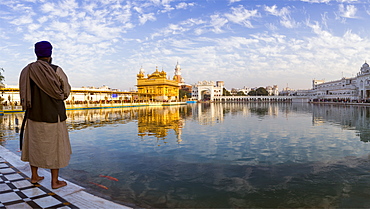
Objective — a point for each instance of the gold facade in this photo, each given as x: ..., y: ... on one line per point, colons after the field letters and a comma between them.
x: 158, y: 122
x: 156, y: 87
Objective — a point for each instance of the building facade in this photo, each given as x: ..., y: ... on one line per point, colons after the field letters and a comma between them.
x: 207, y: 90
x: 157, y: 87
x: 345, y: 89
x: 273, y: 90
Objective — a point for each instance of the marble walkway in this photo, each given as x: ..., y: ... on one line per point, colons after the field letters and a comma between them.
x: 16, y: 190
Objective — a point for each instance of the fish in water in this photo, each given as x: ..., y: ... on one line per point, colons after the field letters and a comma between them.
x: 99, y: 185
x: 109, y: 177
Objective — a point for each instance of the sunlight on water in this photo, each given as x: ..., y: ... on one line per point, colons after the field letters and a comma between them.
x: 220, y: 155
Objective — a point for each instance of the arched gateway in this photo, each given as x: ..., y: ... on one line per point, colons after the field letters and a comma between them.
x: 207, y: 90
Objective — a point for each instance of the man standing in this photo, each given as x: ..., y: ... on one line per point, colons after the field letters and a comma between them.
x: 43, y: 89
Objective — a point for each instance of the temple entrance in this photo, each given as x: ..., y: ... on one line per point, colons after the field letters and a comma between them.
x: 205, y: 95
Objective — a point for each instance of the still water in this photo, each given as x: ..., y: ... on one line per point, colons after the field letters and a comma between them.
x: 230, y: 155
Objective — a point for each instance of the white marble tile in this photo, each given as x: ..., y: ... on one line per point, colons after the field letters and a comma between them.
x: 4, y: 187
x: 22, y: 205
x: 46, y: 202
x: 8, y: 197
x: 6, y: 170
x: 33, y: 192
x: 22, y: 184
x: 2, y: 165
x: 14, y: 176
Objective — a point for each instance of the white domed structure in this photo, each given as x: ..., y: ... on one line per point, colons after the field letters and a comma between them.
x: 365, y: 68
x: 141, y: 70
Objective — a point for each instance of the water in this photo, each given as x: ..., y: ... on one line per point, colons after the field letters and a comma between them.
x: 235, y: 155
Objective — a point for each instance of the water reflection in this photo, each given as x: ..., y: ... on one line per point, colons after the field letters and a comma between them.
x: 254, y: 155
x: 9, y: 127
x: 348, y: 117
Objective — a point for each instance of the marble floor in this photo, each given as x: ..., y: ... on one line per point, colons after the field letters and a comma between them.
x: 16, y: 191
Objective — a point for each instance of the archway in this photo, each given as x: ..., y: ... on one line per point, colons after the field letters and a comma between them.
x: 205, y: 94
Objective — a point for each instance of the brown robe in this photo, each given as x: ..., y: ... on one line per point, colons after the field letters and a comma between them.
x: 46, y: 144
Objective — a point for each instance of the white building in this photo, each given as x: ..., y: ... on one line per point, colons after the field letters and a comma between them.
x: 347, y: 89
x: 207, y: 90
x: 273, y: 90
x: 363, y: 82
x: 245, y: 90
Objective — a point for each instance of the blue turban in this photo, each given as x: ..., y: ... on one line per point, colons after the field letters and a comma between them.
x: 43, y: 49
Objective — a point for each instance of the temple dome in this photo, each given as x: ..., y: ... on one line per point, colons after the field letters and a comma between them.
x: 365, y: 68
x: 142, y: 70
x: 162, y: 73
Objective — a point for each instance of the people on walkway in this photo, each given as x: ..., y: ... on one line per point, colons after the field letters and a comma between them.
x: 43, y: 89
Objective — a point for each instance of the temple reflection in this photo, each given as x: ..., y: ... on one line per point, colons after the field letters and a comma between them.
x: 80, y: 119
x: 159, y: 121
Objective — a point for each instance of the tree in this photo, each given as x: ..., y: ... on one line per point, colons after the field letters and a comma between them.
x: 2, y: 78
x: 258, y: 92
x: 182, y: 93
x: 252, y: 93
x: 225, y: 92
x: 240, y: 93
x: 262, y: 92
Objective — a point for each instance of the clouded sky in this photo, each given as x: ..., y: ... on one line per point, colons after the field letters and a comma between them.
x: 249, y: 43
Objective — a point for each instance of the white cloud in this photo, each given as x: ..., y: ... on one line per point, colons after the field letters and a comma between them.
x: 348, y: 11
x: 54, y: 10
x: 3, y: 36
x: 233, y: 1
x: 274, y: 11
x: 192, y: 22
x: 143, y: 18
x: 183, y: 5
x: 171, y: 29
x: 327, y: 1
x: 217, y: 22
x: 42, y: 19
x: 22, y: 20
x: 271, y: 26
x: 288, y: 22
x: 284, y: 14
x: 138, y: 9
x: 33, y: 27
x: 242, y: 16
x: 208, y: 41
x: 316, y: 1
x: 122, y: 14
x: 167, y: 8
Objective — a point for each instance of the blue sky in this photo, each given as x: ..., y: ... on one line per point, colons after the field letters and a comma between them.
x: 249, y: 43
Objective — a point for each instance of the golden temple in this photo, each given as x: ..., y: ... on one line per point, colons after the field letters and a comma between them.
x: 157, y: 87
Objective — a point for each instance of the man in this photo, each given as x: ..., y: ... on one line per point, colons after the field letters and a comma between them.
x: 43, y: 89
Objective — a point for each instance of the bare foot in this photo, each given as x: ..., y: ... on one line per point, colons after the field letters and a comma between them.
x: 36, y: 179
x: 58, y: 184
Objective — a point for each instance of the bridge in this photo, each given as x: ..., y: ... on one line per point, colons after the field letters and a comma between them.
x: 302, y: 99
